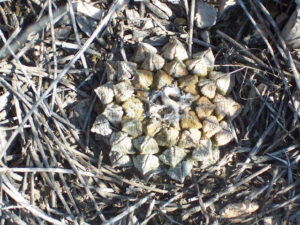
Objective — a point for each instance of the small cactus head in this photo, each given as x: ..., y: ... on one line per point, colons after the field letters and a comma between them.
x: 165, y: 112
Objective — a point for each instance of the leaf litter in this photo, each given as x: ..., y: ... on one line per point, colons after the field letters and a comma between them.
x: 53, y: 169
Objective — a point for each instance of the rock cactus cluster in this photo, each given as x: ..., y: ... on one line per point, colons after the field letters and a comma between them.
x: 163, y: 111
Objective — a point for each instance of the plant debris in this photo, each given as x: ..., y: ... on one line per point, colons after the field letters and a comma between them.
x: 56, y: 168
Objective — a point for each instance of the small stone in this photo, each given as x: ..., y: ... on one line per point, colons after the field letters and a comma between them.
x: 290, y: 31
x: 205, y: 15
